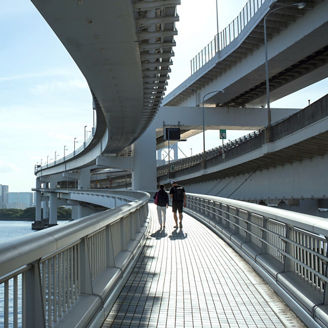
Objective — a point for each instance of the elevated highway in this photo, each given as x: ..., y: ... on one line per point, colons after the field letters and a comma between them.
x: 123, y: 48
x: 235, y: 60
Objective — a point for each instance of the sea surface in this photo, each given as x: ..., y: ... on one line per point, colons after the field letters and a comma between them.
x: 10, y: 230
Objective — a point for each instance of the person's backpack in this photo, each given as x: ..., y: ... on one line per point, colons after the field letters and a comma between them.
x: 179, y: 194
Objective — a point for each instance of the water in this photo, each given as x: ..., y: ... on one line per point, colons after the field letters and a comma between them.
x: 9, y: 231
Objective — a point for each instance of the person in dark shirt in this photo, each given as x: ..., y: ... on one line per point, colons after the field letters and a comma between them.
x: 162, y: 201
x: 178, y: 196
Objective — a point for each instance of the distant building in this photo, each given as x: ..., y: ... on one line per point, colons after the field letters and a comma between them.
x: 20, y: 200
x: 4, y: 196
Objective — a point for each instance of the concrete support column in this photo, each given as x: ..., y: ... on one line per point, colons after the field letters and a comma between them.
x: 53, y: 201
x: 75, y: 213
x: 38, y: 200
x: 53, y: 209
x: 175, y: 151
x: 144, y: 175
x: 83, y: 211
x: 45, y: 208
x: 84, y: 178
x: 159, y: 154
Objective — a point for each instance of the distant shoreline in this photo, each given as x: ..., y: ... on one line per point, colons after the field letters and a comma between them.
x: 17, y: 219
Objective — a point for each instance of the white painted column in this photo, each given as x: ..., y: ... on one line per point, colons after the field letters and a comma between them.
x: 83, y: 211
x: 53, y: 201
x: 144, y: 175
x: 84, y: 178
x: 45, y: 208
x: 53, y: 209
x: 75, y: 214
x: 38, y: 200
x: 175, y: 151
x: 159, y: 154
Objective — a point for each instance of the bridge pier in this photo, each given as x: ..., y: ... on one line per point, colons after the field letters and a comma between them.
x: 45, y: 208
x: 53, y: 201
x: 83, y: 180
x: 38, y: 200
x: 144, y: 174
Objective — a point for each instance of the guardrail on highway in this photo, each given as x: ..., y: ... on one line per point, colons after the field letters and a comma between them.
x: 70, y: 275
x: 288, y: 249
x: 243, y: 145
x: 226, y: 36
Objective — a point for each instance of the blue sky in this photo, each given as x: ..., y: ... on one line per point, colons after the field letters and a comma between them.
x: 45, y: 100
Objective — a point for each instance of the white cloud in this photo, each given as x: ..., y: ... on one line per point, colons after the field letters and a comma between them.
x: 32, y: 75
x: 50, y: 87
x: 8, y: 167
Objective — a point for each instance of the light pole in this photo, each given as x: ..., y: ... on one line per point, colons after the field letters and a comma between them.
x: 299, y: 5
x: 64, y: 151
x: 209, y: 93
x: 85, y: 134
x: 75, y: 141
x: 217, y: 18
x: 65, y: 168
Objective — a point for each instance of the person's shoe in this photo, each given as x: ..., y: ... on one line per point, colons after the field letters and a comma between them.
x: 180, y: 225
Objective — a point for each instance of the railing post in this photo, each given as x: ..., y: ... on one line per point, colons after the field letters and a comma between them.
x: 227, y: 215
x: 85, y: 273
x: 248, y: 237
x: 237, y: 222
x: 32, y: 297
x: 110, y: 261
x: 219, y: 217
x: 325, y: 291
x: 264, y: 235
x: 289, y: 249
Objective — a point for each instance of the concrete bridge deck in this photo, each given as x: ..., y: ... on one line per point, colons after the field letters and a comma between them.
x: 189, y: 277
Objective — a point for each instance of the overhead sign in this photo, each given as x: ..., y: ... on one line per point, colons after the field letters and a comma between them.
x: 223, y: 134
x: 172, y: 134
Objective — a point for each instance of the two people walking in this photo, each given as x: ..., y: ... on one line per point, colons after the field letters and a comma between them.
x: 178, y: 197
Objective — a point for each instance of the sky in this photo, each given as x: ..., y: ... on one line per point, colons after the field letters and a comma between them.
x: 45, y: 101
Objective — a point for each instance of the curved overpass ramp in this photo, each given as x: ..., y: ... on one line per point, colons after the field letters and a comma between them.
x: 124, y: 50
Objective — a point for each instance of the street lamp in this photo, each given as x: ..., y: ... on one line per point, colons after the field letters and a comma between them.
x: 299, y: 5
x: 75, y: 141
x: 209, y: 93
x: 85, y: 134
x: 65, y: 148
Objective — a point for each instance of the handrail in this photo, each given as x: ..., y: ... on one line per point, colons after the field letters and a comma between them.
x: 226, y: 36
x: 295, y: 122
x: 68, y: 156
x: 288, y: 249
x: 56, y: 270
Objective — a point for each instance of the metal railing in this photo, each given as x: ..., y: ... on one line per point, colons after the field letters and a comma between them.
x: 225, y: 152
x: 66, y: 157
x: 291, y: 248
x: 68, y: 274
x: 226, y: 36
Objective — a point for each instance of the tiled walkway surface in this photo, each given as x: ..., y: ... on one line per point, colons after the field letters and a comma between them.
x: 190, y: 278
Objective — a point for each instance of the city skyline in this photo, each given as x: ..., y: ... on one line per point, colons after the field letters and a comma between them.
x: 46, y: 101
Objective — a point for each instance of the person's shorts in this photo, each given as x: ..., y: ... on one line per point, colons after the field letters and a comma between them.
x: 177, y: 206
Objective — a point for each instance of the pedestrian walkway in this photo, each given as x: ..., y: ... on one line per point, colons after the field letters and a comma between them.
x: 190, y: 278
